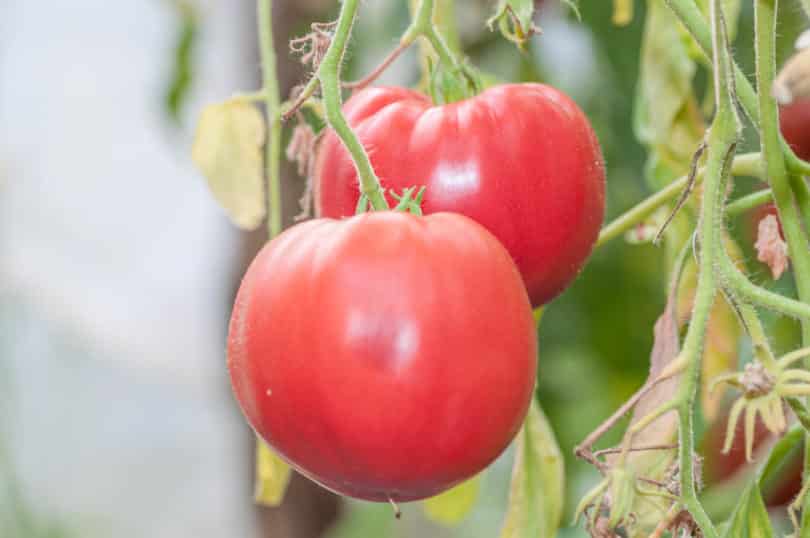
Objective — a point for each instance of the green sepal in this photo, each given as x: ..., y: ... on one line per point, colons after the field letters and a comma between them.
x: 515, y: 19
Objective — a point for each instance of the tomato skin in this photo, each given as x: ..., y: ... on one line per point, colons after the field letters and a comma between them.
x: 385, y: 355
x: 521, y: 159
x: 794, y: 120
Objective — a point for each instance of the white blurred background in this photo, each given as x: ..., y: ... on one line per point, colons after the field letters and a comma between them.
x: 116, y: 416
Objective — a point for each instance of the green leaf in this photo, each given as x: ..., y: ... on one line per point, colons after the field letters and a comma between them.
x: 227, y: 150
x: 272, y: 476
x: 453, y: 505
x: 538, y: 482
x: 182, y: 73
x: 750, y: 518
x: 779, y: 454
x: 515, y: 20
x: 731, y: 11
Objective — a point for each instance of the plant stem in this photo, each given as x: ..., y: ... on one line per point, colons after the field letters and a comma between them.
x: 434, y: 20
x: 777, y: 174
x: 739, y: 284
x: 756, y: 331
x: 272, y: 101
x: 775, y: 170
x: 692, y: 18
x: 744, y: 165
x: 802, y: 193
x: 424, y: 25
x: 746, y: 203
x: 722, y: 141
x: 329, y: 76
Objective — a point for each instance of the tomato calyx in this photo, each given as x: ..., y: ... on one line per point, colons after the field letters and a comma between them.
x: 407, y: 202
x: 449, y: 85
x: 765, y: 389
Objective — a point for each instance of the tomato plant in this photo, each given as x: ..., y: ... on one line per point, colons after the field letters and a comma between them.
x: 387, y: 356
x: 537, y: 182
x: 391, y: 356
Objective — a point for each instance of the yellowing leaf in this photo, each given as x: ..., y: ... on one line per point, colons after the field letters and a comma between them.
x: 667, y: 116
x: 227, y: 150
x: 622, y: 12
x: 272, y: 476
x: 453, y: 505
x: 538, y: 482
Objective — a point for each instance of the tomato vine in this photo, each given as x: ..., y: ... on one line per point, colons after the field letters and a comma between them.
x: 719, y: 277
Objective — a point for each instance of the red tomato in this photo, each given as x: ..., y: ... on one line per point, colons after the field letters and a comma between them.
x: 795, y: 123
x: 386, y: 356
x: 520, y: 159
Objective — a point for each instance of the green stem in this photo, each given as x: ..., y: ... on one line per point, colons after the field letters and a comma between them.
x: 329, y: 76
x: 272, y: 102
x: 722, y: 141
x: 747, y: 203
x: 762, y: 348
x: 744, y: 165
x: 425, y: 24
x: 444, y: 19
x: 802, y: 193
x: 800, y: 411
x: 692, y: 18
x: 689, y: 496
x: 775, y: 169
x: 740, y: 286
x: 704, y: 300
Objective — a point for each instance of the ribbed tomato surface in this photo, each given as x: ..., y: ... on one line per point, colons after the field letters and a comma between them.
x: 385, y: 356
x: 520, y: 159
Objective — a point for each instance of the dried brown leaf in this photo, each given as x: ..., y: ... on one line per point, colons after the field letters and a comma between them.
x: 771, y: 248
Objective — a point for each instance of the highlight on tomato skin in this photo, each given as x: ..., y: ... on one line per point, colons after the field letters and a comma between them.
x: 520, y: 159
x: 386, y: 356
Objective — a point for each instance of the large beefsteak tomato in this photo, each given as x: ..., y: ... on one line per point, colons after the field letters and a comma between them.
x: 386, y: 356
x: 520, y: 159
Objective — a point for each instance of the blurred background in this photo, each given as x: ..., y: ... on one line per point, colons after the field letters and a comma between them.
x: 117, y: 268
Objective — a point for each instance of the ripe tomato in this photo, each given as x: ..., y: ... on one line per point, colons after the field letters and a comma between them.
x: 795, y: 123
x: 386, y: 356
x: 520, y: 159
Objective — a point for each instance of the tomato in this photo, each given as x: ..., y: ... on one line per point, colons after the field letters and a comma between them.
x: 385, y: 356
x: 795, y: 123
x: 520, y: 159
